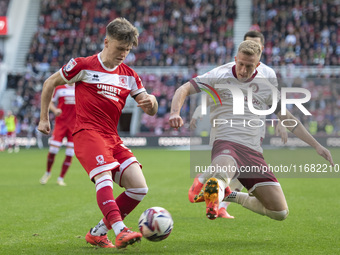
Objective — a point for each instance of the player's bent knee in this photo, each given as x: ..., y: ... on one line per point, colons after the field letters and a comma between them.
x: 278, y: 215
x: 137, y: 193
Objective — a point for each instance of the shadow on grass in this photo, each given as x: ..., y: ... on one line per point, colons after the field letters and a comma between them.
x: 192, y: 247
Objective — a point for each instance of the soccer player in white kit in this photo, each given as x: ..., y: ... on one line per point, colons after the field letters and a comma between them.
x: 235, y: 185
x: 239, y: 146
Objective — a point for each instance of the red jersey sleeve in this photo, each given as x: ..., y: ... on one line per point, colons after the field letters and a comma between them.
x: 73, y: 70
x: 136, y: 87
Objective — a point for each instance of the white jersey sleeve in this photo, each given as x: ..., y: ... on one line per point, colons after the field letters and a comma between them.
x: 269, y: 73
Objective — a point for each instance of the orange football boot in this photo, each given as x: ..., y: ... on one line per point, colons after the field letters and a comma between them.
x: 127, y: 237
x: 101, y: 241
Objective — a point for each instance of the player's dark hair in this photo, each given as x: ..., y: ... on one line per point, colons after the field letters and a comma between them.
x: 122, y: 30
x: 254, y: 34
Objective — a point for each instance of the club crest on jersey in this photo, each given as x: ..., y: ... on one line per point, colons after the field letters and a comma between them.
x: 254, y: 87
x: 72, y: 63
x: 100, y: 160
x: 122, y: 81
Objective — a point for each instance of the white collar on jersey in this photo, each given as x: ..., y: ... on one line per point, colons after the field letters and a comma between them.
x: 102, y: 64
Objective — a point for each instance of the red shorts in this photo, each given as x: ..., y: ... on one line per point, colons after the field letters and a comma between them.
x: 11, y: 134
x: 252, y: 169
x: 99, y: 152
x: 59, y: 132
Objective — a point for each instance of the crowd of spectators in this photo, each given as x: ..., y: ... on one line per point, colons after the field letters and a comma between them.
x: 299, y: 32
x: 163, y: 87
x: 188, y: 33
x: 172, y: 33
x: 324, y: 104
x: 3, y: 7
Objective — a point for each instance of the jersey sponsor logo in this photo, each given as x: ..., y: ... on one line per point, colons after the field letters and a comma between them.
x: 70, y: 100
x: 108, y: 91
x: 100, y: 160
x: 255, y: 102
x: 72, y: 63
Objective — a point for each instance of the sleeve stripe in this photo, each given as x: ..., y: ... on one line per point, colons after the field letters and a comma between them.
x: 138, y: 91
x: 193, y: 82
x: 62, y: 75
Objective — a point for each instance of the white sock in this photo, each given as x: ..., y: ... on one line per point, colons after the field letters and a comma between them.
x: 223, y: 182
x: 223, y: 205
x: 221, y: 188
x: 201, y: 179
x: 251, y: 203
x: 60, y: 179
x: 118, y: 227
x: 100, y: 229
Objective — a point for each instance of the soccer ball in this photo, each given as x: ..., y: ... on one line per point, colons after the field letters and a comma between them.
x: 155, y: 224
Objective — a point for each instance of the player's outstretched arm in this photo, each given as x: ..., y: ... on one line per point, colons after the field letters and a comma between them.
x: 147, y: 102
x: 300, y: 131
x: 181, y: 93
x: 49, y: 85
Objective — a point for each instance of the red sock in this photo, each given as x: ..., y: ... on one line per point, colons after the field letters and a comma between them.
x: 107, y: 223
x: 108, y: 205
x: 126, y: 204
x: 66, y: 165
x: 50, y: 161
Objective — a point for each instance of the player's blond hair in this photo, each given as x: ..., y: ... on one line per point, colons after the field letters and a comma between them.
x: 250, y: 48
x: 122, y: 30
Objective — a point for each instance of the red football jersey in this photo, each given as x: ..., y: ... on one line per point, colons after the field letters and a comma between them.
x: 64, y: 99
x: 100, y: 92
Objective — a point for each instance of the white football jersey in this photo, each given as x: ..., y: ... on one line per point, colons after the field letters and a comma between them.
x: 271, y: 75
x: 246, y: 128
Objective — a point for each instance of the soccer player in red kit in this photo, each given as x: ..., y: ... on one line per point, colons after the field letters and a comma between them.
x: 65, y: 113
x: 102, y: 84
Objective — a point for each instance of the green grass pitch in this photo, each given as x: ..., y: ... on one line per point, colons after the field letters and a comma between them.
x: 48, y: 219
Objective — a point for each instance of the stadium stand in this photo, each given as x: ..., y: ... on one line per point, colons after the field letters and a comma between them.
x: 3, y: 12
x: 305, y: 33
x: 3, y: 7
x: 172, y: 33
x: 159, y: 24
x: 183, y: 33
